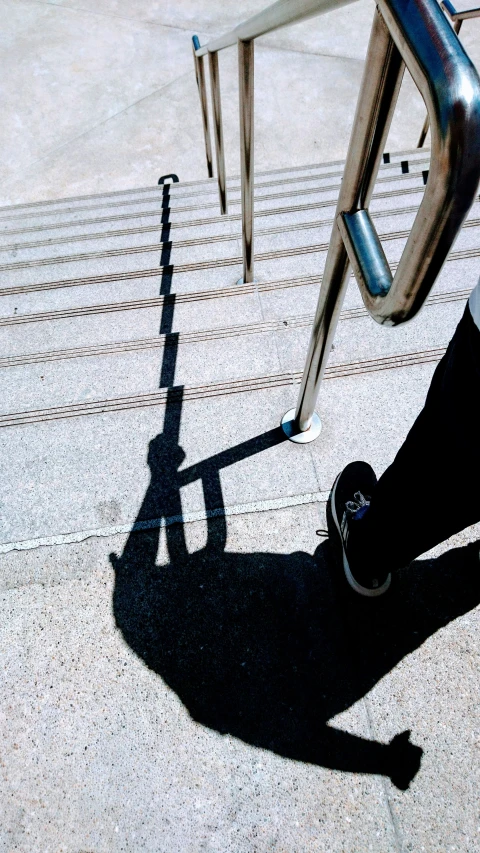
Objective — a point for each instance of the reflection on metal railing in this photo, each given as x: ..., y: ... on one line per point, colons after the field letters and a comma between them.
x: 202, y: 91
x: 457, y: 17
x: 414, y: 32
x: 218, y: 129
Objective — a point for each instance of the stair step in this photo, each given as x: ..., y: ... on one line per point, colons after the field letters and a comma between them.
x: 388, y: 200
x: 218, y: 228
x: 271, y: 245
x: 86, y: 333
x: 152, y: 236
x: 201, y: 358
x: 104, y: 328
x: 102, y: 298
x: 186, y: 393
x: 267, y: 196
x: 138, y: 372
x: 209, y: 185
x: 72, y: 489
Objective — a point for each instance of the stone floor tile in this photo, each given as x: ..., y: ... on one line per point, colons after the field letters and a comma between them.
x: 151, y: 741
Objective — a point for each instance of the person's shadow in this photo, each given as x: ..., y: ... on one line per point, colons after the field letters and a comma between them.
x: 269, y: 647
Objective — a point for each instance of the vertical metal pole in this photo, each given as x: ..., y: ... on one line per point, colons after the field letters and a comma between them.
x: 426, y: 124
x: 378, y: 95
x: 246, y: 81
x: 423, y: 134
x: 202, y: 91
x: 218, y: 129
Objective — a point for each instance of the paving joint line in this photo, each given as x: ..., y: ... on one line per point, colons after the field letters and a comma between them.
x: 29, y: 166
x: 383, y: 782
x: 167, y: 521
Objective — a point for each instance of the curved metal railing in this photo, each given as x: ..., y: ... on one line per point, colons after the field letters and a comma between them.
x: 411, y: 33
x: 457, y: 17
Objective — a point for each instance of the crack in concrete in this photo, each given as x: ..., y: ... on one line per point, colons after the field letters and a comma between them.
x: 383, y: 782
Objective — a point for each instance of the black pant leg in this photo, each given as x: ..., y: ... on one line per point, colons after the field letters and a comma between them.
x: 432, y: 488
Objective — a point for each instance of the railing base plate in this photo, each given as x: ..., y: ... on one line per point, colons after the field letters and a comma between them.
x: 293, y: 433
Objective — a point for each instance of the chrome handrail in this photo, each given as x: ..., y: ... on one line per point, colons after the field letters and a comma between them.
x: 280, y: 14
x: 459, y: 14
x: 411, y: 33
x: 457, y: 18
x: 417, y: 34
x: 218, y: 129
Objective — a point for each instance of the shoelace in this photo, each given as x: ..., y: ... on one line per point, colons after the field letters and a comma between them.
x: 352, y: 507
x: 360, y: 502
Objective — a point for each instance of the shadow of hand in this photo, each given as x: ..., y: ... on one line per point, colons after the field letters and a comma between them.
x: 164, y: 455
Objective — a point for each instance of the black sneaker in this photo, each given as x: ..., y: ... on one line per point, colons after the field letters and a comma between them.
x: 348, y: 502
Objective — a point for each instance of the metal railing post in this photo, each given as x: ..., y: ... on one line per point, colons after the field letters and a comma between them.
x: 378, y: 96
x: 424, y: 131
x: 202, y: 91
x: 426, y: 124
x: 246, y: 81
x: 218, y: 129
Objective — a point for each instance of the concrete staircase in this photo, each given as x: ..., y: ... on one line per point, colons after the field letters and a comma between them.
x: 109, y: 301
x: 122, y: 320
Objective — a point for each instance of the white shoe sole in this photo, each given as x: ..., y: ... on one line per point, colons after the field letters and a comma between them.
x: 362, y: 590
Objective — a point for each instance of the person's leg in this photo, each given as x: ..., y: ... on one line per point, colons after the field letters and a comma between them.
x: 432, y: 489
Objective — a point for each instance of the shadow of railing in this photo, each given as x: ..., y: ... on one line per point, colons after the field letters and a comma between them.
x: 269, y: 647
